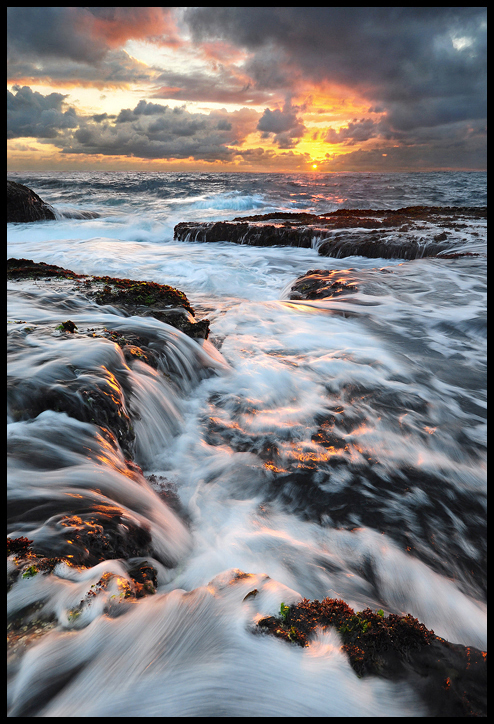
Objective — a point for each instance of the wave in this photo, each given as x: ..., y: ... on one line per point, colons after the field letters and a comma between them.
x: 233, y: 201
x: 71, y: 213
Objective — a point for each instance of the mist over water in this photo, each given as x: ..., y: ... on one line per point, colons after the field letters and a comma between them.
x: 331, y: 447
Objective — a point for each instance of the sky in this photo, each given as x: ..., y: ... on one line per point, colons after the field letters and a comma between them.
x: 293, y: 89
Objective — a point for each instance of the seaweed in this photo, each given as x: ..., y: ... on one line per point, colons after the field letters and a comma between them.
x: 129, y: 291
x: 29, y: 269
x: 365, y: 634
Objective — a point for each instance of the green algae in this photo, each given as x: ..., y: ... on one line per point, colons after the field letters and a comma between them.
x: 366, y: 634
x: 30, y: 572
x: 129, y: 291
x: 67, y: 326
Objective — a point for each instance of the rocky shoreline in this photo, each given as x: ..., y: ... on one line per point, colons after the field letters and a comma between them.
x: 404, y: 233
x: 450, y: 679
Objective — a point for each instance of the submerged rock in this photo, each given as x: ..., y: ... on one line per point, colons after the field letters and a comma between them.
x: 372, y: 233
x: 450, y: 679
x: 24, y: 205
x: 323, y: 284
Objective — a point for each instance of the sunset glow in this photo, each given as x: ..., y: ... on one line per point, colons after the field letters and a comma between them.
x: 246, y: 89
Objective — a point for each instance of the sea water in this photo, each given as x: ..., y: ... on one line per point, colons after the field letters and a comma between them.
x: 331, y: 447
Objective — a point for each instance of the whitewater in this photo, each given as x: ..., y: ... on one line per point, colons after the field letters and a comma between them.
x: 327, y: 448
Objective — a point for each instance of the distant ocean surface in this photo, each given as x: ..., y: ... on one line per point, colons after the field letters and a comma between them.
x: 332, y: 448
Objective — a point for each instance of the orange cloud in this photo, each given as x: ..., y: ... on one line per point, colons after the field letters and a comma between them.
x: 114, y: 26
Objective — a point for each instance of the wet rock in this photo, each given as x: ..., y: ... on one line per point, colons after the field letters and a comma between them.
x: 93, y: 533
x: 323, y: 284
x: 380, y: 246
x: 441, y: 237
x: 141, y: 298
x: 67, y: 326
x: 243, y: 233
x: 29, y: 269
x: 133, y: 293
x: 369, y: 232
x: 93, y: 396
x: 145, y: 579
x: 24, y: 205
x: 450, y: 679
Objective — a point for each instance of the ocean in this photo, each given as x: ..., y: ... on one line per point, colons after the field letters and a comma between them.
x: 328, y: 448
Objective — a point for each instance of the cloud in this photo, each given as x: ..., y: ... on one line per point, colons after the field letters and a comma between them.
x: 89, y: 42
x: 149, y: 130
x: 396, y: 57
x: 82, y: 33
x: 29, y: 113
x: 404, y: 76
x: 224, y: 85
x: 155, y: 131
x: 284, y: 124
x: 356, y: 132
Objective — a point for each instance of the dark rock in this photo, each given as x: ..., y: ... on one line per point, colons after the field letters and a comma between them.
x: 145, y: 578
x: 29, y: 269
x: 377, y: 247
x: 161, y: 301
x: 24, y: 205
x: 450, y: 679
x: 17, y: 545
x: 441, y: 237
x: 141, y: 298
x: 243, y: 233
x: 96, y: 396
x: 371, y: 233
x: 68, y: 326
x: 139, y: 293
x: 323, y: 284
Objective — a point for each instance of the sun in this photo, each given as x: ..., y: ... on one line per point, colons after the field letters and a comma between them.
x: 314, y: 166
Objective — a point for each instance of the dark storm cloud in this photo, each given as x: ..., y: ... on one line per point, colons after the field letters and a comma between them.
x: 419, y: 65
x: 284, y: 124
x: 453, y: 148
x: 30, y: 113
x: 116, y: 70
x: 356, y: 132
x: 82, y: 33
x: 154, y: 131
x: 87, y: 40
x: 403, y: 52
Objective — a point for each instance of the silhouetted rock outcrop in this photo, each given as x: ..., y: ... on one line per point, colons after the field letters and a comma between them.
x: 24, y: 205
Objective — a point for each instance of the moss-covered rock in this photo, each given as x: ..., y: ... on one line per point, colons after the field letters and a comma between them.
x: 29, y: 269
x: 450, y: 678
x: 139, y: 293
x: 141, y: 298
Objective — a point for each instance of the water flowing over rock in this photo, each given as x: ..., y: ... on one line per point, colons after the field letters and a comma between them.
x: 24, y: 205
x: 143, y: 298
x: 407, y: 233
x: 450, y: 679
